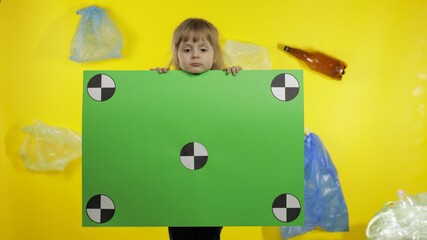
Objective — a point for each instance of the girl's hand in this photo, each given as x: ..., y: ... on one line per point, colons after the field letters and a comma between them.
x: 161, y: 70
x: 233, y: 69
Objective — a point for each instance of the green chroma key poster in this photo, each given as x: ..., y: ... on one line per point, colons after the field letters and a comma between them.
x: 178, y: 149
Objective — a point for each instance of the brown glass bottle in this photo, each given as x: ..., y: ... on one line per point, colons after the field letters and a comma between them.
x: 319, y: 62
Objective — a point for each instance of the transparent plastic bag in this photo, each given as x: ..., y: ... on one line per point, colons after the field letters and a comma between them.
x: 248, y: 56
x: 97, y: 37
x: 49, y: 148
x: 324, y: 204
x: 402, y: 219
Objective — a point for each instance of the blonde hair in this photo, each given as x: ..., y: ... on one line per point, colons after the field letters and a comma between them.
x: 198, y: 29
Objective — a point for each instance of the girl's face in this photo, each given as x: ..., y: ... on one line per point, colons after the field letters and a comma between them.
x: 195, y: 57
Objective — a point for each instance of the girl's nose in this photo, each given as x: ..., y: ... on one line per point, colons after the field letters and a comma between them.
x: 195, y: 54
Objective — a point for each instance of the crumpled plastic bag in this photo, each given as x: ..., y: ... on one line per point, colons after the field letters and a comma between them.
x: 324, y: 204
x: 49, y: 148
x: 248, y: 56
x: 402, y: 219
x: 97, y: 37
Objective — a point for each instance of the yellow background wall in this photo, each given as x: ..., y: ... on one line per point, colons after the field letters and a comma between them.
x: 373, y: 122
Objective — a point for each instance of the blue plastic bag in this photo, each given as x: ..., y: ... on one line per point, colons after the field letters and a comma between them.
x: 324, y: 204
x: 97, y: 37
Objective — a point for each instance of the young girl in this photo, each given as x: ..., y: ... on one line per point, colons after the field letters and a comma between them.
x: 196, y: 49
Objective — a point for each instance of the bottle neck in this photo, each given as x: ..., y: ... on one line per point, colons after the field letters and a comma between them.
x: 301, y: 54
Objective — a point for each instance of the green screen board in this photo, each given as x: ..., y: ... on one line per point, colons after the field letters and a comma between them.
x: 178, y: 149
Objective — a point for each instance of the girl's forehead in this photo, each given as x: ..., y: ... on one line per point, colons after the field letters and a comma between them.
x: 191, y: 42
x: 194, y: 37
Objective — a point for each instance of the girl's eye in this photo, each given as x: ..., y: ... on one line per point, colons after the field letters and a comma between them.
x: 186, y: 50
x: 204, y: 49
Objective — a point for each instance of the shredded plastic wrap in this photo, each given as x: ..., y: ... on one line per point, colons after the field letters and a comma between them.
x: 248, y: 56
x: 324, y: 204
x: 97, y: 37
x: 402, y: 219
x: 49, y: 148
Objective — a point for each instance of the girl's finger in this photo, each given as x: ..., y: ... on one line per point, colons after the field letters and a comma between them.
x: 228, y: 70
x: 234, y: 69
